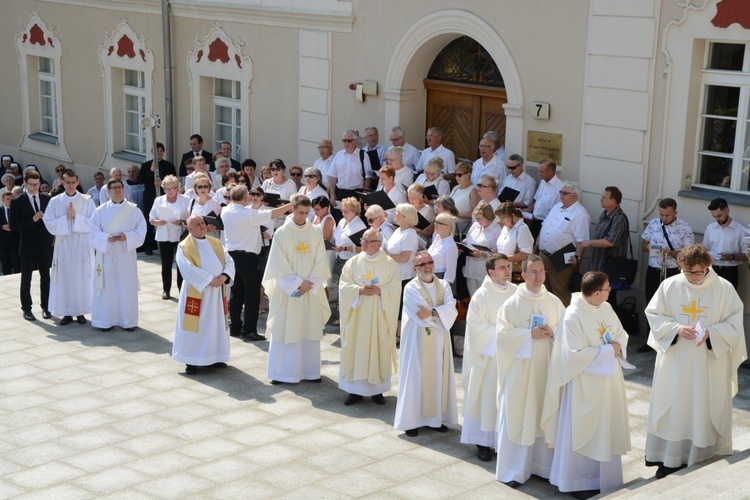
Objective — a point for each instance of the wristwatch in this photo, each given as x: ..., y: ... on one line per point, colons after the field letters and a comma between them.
x: 434, y: 313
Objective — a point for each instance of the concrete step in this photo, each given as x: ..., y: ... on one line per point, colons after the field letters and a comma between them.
x: 718, y: 477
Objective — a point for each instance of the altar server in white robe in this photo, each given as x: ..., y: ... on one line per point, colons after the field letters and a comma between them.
x: 117, y: 229
x: 294, y: 280
x: 585, y: 412
x: 479, y: 375
x: 369, y: 294
x: 526, y: 326
x: 68, y: 218
x: 427, y: 382
x: 695, y: 376
x: 201, y: 334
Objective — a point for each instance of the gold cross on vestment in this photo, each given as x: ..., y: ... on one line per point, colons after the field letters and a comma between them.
x: 693, y: 311
x: 369, y: 276
x: 99, y: 270
x: 602, y: 328
x: 302, y: 248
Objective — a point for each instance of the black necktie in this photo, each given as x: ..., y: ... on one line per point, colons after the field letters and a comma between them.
x: 36, y: 206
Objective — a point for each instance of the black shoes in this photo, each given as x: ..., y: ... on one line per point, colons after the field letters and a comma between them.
x: 412, y: 432
x: 512, y: 484
x: 81, y: 320
x: 66, y: 320
x: 235, y: 334
x: 442, y: 428
x: 220, y: 364
x: 277, y: 382
x: 46, y: 314
x: 583, y: 495
x: 483, y: 453
x: 379, y: 399
x: 252, y: 337
x: 29, y: 316
x: 105, y: 329
x: 644, y: 348
x: 664, y: 471
x: 353, y: 399
x: 131, y: 329
x: 191, y: 369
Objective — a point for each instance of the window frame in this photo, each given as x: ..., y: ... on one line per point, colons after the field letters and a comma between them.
x: 234, y: 103
x: 139, y: 92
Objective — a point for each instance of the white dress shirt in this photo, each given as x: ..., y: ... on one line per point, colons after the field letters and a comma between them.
x: 410, y: 156
x: 242, y: 227
x: 446, y: 154
x: 524, y: 184
x: 728, y: 239
x: 494, y: 167
x: 564, y: 226
x: 547, y: 196
x: 347, y: 169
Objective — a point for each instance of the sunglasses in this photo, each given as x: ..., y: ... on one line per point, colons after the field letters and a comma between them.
x: 348, y: 140
x: 460, y: 175
x: 297, y: 175
x: 275, y: 169
x: 483, y: 185
x: 202, y: 186
x: 428, y: 263
x: 310, y: 176
x: 242, y: 181
x: 58, y: 170
x: 370, y: 221
x: 252, y: 193
x: 512, y: 167
x: 190, y: 169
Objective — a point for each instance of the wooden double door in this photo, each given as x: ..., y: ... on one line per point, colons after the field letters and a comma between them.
x: 464, y: 112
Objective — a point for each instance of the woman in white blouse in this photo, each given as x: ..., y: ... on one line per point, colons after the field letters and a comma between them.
x: 345, y: 248
x: 166, y: 215
x: 376, y: 219
x: 433, y: 176
x: 416, y: 197
x: 465, y: 195
x: 443, y: 249
x: 204, y: 203
x: 483, y: 232
x: 402, y: 246
x: 487, y: 189
x: 313, y: 187
x: 393, y: 189
x: 280, y: 185
x: 515, y: 238
x: 393, y: 159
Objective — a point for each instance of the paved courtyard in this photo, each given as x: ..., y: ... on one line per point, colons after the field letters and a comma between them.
x: 89, y: 414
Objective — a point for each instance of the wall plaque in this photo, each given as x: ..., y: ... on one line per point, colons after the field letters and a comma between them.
x: 541, y: 145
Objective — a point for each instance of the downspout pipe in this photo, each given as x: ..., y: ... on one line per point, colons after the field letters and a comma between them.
x: 168, y: 99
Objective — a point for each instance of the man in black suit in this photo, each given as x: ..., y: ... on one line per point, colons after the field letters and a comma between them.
x: 196, y: 149
x: 8, y: 239
x: 152, y: 189
x: 35, y: 247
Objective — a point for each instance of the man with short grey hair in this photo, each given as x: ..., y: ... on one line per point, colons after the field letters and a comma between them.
x: 323, y: 164
x: 547, y: 194
x: 114, y: 173
x: 372, y: 136
x: 520, y: 181
x: 487, y: 163
x: 410, y: 156
x: 436, y: 148
x: 350, y: 169
x: 499, y: 148
x: 567, y: 224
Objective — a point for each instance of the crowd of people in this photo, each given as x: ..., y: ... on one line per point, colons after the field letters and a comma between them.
x: 388, y: 243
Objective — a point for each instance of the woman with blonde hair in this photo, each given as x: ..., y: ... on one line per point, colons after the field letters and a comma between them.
x: 483, y: 232
x: 415, y: 193
x: 433, y: 176
x: 204, y: 203
x: 345, y: 248
x: 402, y: 247
x: 465, y: 195
x: 443, y: 250
x: 515, y: 238
x: 487, y: 189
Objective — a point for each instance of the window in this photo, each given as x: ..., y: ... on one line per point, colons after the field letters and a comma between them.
x: 47, y: 97
x: 723, y: 156
x: 227, y: 115
x: 134, y: 93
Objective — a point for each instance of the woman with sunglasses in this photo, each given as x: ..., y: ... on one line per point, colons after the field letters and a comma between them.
x: 280, y: 185
x: 345, y: 248
x: 433, y: 176
x: 515, y: 238
x: 166, y: 215
x: 204, y: 203
x: 376, y: 218
x: 313, y: 187
x: 59, y: 170
x: 296, y: 174
x: 465, y: 195
x: 394, y: 190
x: 487, y: 189
x: 483, y: 232
x: 443, y: 248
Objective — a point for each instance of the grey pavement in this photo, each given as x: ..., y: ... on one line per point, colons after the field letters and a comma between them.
x: 86, y: 414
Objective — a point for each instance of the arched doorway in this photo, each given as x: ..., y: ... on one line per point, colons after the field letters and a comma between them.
x: 465, y: 96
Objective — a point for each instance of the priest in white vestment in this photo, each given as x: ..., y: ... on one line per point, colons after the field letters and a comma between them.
x: 526, y: 327
x: 479, y: 376
x: 117, y: 229
x: 67, y: 218
x: 585, y: 412
x: 201, y: 334
x: 696, y: 321
x: 427, y: 382
x: 369, y: 294
x: 294, y: 280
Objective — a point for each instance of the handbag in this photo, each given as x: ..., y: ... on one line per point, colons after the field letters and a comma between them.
x: 621, y: 270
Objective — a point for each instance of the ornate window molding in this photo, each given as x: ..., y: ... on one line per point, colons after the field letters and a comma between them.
x: 217, y: 57
x: 123, y: 56
x: 39, y: 52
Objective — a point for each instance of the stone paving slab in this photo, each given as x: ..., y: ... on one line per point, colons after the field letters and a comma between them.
x: 90, y: 414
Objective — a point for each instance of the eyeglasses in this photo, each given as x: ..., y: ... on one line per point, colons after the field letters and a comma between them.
x: 347, y: 141
x: 459, y: 174
x: 371, y: 241
x: 202, y: 186
x: 242, y: 181
x: 325, y: 147
x: 564, y: 193
x: 252, y: 193
x: 512, y: 167
x: 227, y: 197
x: 537, y: 273
x: 423, y: 264
x: 310, y: 176
x: 58, y: 170
x: 695, y: 273
x: 275, y: 169
x: 483, y: 185
x: 296, y: 174
x: 370, y: 221
x: 116, y: 188
x: 190, y: 169
x: 33, y: 184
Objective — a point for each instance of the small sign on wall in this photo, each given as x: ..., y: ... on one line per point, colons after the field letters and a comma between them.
x: 540, y: 110
x: 541, y: 145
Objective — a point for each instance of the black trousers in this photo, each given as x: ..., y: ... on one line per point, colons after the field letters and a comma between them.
x: 167, y: 250
x: 28, y: 263
x: 10, y: 260
x: 245, y: 292
x: 535, y: 228
x: 653, y: 281
x: 729, y: 273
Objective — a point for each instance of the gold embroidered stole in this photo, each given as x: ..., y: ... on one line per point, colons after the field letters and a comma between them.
x: 191, y: 314
x: 428, y: 355
x: 112, y: 228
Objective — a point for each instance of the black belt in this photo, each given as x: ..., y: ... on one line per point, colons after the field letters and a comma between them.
x: 242, y: 251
